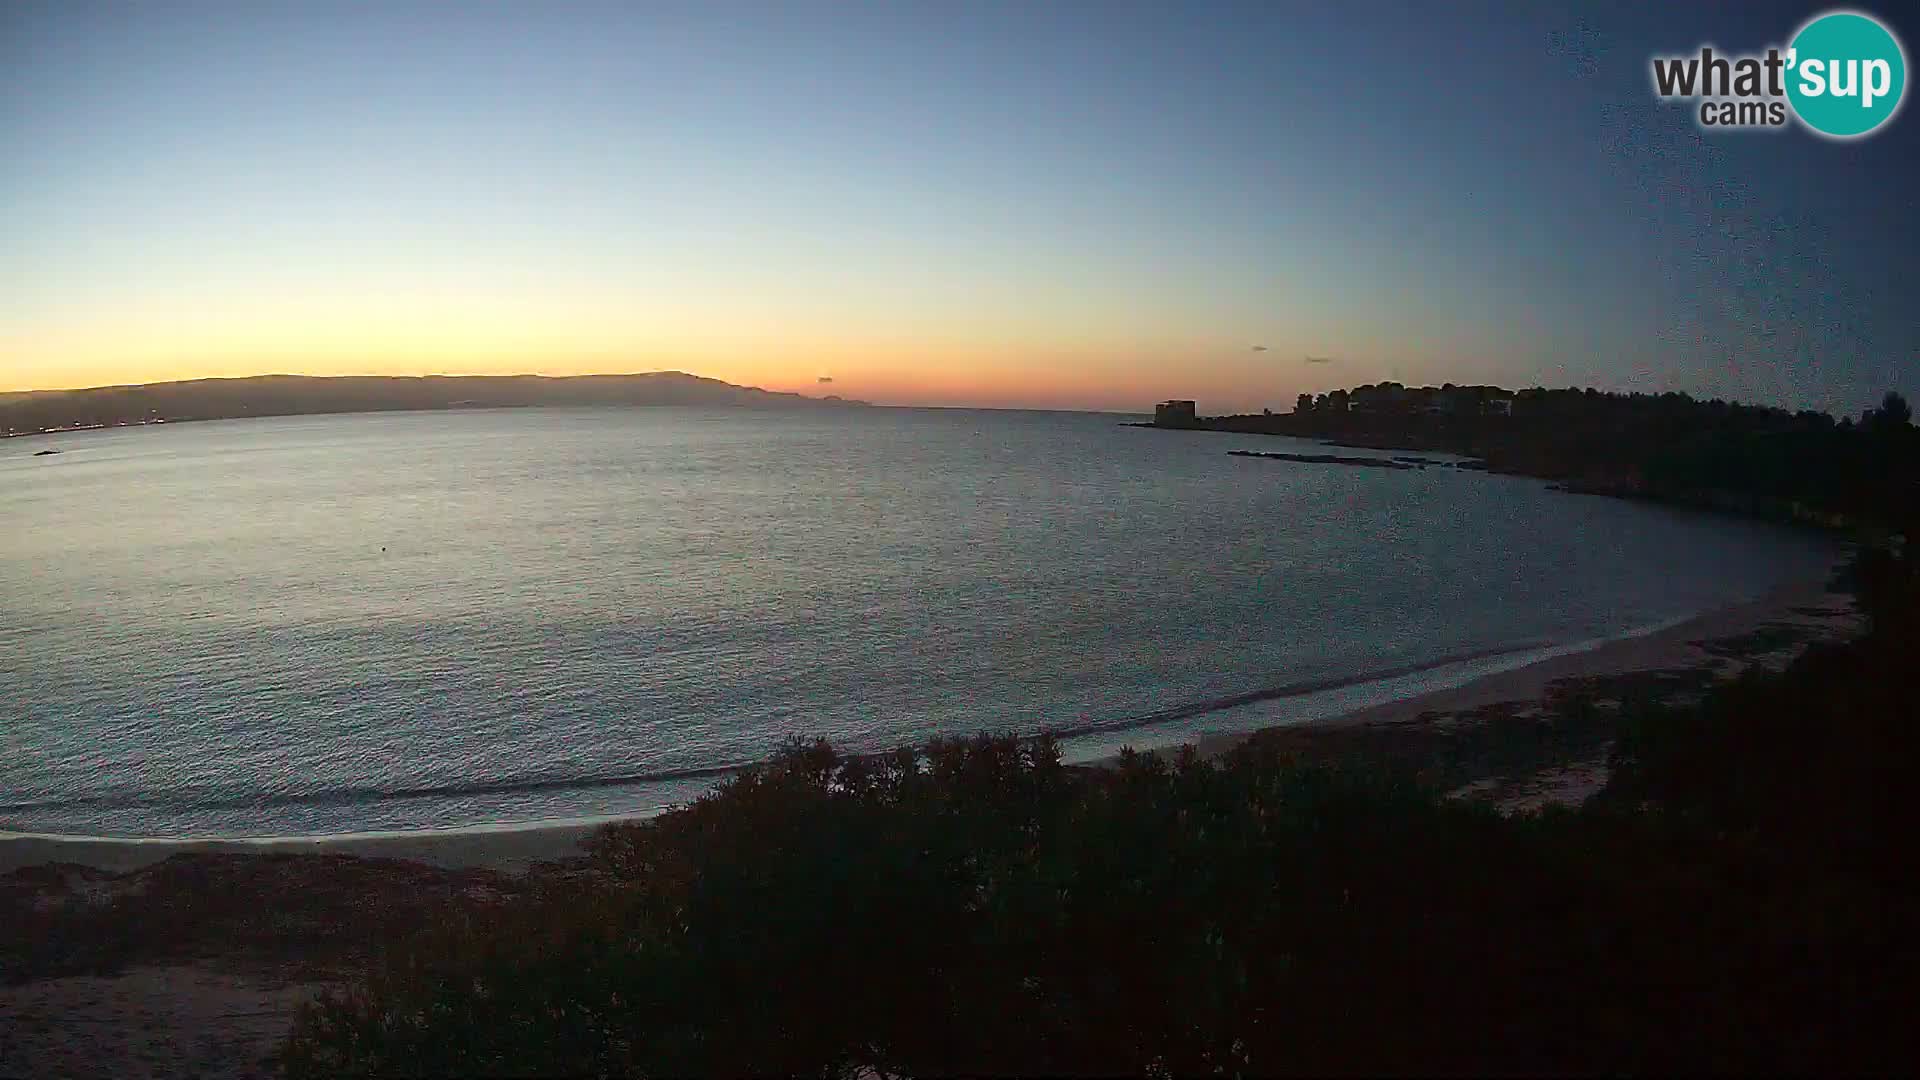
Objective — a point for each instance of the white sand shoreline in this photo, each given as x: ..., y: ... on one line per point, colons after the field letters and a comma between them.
x: 1309, y: 709
x: 513, y: 846
x: 1674, y: 645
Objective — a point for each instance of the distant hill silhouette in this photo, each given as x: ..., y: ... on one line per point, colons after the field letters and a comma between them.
x: 293, y: 395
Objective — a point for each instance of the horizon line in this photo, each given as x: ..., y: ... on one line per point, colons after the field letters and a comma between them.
x: 1146, y: 409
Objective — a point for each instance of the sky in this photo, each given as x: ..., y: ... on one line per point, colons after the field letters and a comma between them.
x: 1055, y: 205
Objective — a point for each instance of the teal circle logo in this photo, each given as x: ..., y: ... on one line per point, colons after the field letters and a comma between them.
x: 1846, y: 74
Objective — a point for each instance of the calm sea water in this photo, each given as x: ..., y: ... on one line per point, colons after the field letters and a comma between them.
x: 345, y: 623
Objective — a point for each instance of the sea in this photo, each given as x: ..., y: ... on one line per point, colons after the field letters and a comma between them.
x: 446, y: 620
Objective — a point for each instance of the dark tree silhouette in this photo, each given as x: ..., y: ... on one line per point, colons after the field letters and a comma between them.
x: 1767, y: 462
x: 1893, y: 414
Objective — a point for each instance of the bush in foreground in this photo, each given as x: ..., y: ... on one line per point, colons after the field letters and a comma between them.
x: 984, y: 911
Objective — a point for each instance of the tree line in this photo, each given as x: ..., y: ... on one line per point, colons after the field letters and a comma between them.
x: 1749, y: 459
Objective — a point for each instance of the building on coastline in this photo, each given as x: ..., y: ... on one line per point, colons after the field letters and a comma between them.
x: 1174, y: 414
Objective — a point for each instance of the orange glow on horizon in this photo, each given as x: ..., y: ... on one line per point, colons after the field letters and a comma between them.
x: 1127, y: 378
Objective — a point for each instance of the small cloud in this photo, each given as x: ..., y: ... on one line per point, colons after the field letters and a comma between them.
x: 824, y: 379
x: 1259, y: 348
x: 1319, y: 359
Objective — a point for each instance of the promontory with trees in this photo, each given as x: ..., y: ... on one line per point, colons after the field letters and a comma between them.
x: 1749, y: 459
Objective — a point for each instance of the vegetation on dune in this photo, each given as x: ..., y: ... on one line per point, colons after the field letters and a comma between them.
x: 1738, y: 898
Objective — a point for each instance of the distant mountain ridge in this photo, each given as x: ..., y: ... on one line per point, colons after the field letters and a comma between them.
x: 297, y: 395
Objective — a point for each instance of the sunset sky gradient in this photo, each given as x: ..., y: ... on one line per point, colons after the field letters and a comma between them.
x: 1056, y: 205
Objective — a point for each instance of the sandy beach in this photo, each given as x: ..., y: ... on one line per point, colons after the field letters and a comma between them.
x: 1719, y: 644
x: 1804, y: 605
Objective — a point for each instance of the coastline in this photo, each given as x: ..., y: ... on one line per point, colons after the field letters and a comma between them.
x: 1681, y: 644
x: 1797, y: 611
x: 1669, y: 663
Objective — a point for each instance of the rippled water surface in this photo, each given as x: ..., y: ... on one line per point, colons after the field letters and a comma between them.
x: 325, y: 624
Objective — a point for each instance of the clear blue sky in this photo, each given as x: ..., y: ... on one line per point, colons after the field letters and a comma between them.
x: 1079, y: 205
